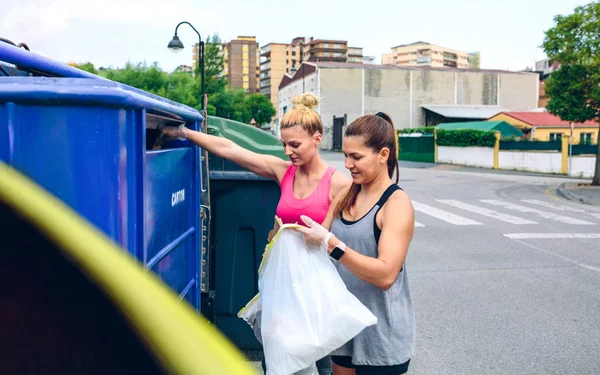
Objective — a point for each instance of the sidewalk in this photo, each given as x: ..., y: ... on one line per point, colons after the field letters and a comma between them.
x: 584, y: 193
x: 463, y: 168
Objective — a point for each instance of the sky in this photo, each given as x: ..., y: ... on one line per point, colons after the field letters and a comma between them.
x: 110, y: 33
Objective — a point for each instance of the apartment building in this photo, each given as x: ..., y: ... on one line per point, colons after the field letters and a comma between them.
x: 475, y: 60
x: 241, y: 63
x: 278, y: 59
x: 184, y: 69
x: 328, y: 51
x: 426, y: 54
x: 355, y: 55
x: 544, y: 68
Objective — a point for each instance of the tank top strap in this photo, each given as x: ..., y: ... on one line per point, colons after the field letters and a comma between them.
x: 326, y: 179
x: 288, y: 177
x: 387, y: 194
x: 329, y: 173
x: 384, y: 197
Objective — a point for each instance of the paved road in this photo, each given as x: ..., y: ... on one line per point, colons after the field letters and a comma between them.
x: 505, y: 274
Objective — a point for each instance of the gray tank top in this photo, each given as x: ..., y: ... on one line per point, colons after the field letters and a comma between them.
x: 391, y: 340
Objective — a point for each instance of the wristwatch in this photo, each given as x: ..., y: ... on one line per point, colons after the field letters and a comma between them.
x: 338, y: 251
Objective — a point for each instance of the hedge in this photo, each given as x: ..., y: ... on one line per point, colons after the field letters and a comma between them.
x: 423, y: 129
x: 466, y: 138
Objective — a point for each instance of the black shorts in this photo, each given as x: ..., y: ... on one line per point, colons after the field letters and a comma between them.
x: 346, y: 362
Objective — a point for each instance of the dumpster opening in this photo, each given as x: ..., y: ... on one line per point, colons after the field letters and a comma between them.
x: 154, y: 138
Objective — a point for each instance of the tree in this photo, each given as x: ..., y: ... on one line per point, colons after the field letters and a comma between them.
x: 179, y: 87
x: 260, y: 107
x: 88, y: 67
x: 230, y: 104
x: 574, y: 90
x: 214, y: 62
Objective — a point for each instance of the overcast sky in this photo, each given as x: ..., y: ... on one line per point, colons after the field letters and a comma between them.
x: 112, y: 32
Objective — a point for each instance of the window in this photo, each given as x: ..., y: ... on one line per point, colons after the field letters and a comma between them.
x: 326, y: 45
x: 245, y: 55
x: 337, y: 45
x: 585, y: 138
x: 556, y: 136
x: 245, y: 48
x: 245, y: 70
x: 246, y: 85
x: 245, y: 63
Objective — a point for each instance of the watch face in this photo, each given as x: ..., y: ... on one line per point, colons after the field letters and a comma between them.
x: 337, y: 253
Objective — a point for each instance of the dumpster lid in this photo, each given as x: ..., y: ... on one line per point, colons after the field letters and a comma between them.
x: 94, y: 92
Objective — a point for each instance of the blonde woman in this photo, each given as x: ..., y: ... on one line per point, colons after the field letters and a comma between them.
x: 308, y: 185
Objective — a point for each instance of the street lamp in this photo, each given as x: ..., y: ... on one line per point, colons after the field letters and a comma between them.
x: 176, y: 46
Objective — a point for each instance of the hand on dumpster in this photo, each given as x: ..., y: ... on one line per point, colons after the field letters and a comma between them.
x: 178, y: 132
x: 315, y: 235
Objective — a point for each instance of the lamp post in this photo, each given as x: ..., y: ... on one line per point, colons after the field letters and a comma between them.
x: 176, y: 45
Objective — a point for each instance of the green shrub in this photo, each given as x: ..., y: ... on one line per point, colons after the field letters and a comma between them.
x: 423, y: 129
x: 466, y: 138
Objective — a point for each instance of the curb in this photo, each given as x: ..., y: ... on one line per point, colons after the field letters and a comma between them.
x: 568, y: 195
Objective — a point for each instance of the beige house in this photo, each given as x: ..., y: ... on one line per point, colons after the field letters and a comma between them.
x: 427, y: 54
x: 412, y: 96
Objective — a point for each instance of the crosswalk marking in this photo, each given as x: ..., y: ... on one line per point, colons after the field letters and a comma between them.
x: 443, y: 215
x: 523, y: 236
x: 560, y: 207
x: 487, y: 212
x: 417, y: 224
x: 544, y: 214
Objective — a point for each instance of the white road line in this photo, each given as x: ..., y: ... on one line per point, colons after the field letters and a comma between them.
x: 559, y: 207
x: 522, y: 236
x: 443, y: 215
x: 544, y: 214
x: 417, y: 224
x: 487, y: 212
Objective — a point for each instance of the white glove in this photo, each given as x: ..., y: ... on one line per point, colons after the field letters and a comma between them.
x: 315, y: 235
x: 175, y: 132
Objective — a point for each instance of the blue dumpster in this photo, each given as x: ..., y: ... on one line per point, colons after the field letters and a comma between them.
x: 95, y: 145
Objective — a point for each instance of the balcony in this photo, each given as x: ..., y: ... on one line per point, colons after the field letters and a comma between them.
x: 316, y: 49
x: 423, y: 60
x: 450, y: 57
x: 449, y: 63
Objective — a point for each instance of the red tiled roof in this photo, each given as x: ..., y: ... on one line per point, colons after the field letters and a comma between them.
x: 541, y: 119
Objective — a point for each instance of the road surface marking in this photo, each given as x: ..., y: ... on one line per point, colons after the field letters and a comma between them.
x: 487, y: 212
x: 561, y: 207
x: 523, y: 236
x: 443, y: 215
x: 544, y: 214
x: 417, y: 224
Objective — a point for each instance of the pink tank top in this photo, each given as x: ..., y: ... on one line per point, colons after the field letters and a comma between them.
x: 314, y: 206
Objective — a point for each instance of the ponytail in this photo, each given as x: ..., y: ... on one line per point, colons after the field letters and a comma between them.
x: 378, y: 132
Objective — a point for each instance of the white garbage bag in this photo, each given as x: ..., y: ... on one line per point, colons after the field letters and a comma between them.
x: 307, y: 312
